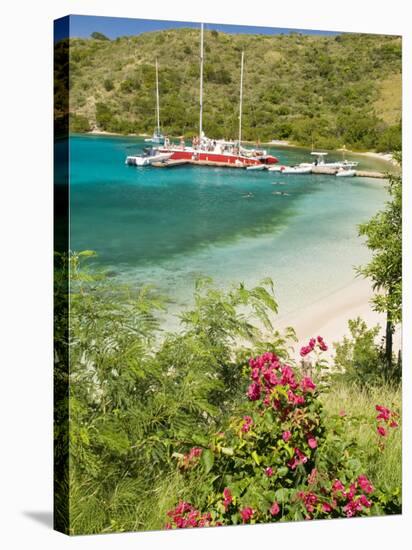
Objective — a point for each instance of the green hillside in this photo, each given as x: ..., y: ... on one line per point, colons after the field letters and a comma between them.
x: 329, y: 90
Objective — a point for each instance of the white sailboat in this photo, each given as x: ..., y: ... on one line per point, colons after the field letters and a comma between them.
x: 157, y: 136
x: 218, y: 152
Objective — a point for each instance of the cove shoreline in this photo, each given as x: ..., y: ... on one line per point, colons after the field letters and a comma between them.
x: 387, y: 157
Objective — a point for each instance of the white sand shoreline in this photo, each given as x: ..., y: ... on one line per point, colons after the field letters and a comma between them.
x: 329, y: 316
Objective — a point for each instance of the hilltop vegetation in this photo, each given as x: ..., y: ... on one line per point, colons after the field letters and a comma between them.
x: 329, y: 90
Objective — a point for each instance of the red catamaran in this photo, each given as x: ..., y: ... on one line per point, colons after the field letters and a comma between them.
x: 217, y: 152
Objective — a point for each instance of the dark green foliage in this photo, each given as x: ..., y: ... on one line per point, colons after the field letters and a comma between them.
x: 390, y: 139
x: 78, y: 123
x: 359, y: 360
x: 108, y: 85
x: 99, y: 36
x: 133, y: 398
x: 384, y: 238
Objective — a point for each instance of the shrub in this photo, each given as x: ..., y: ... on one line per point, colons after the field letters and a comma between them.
x: 78, y: 123
x: 358, y: 359
x: 278, y: 461
x: 108, y: 85
x: 99, y: 36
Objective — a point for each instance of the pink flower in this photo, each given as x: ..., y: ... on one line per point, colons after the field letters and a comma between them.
x: 351, y: 493
x: 342, y: 413
x: 365, y: 484
x: 305, y: 350
x: 248, y: 421
x: 384, y: 413
x: 286, y: 435
x: 381, y: 431
x: 253, y: 392
x: 275, y: 509
x: 299, y: 458
x: 321, y: 343
x: 295, y: 399
x: 246, y: 514
x: 195, y: 452
x: 393, y: 424
x: 309, y: 499
x: 365, y: 502
x: 326, y: 507
x: 337, y: 485
x: 307, y: 384
x: 312, y: 442
x: 269, y: 471
x: 227, y: 498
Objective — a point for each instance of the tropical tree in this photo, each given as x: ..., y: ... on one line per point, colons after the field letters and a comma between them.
x: 384, y: 238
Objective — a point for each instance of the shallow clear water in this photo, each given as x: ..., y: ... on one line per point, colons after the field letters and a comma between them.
x: 168, y: 226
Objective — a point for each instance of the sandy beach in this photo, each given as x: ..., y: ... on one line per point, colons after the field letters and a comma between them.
x: 388, y: 157
x: 329, y: 316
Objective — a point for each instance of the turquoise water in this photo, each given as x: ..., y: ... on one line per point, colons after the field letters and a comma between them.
x: 168, y: 226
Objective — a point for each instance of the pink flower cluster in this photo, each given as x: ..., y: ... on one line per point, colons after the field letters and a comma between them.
x: 275, y: 509
x: 246, y: 514
x: 227, y: 498
x: 309, y: 499
x: 191, y: 458
x: 247, y: 424
x: 185, y: 515
x: 351, y: 501
x: 354, y: 498
x: 267, y: 373
x: 298, y: 458
x: 313, y: 342
x: 387, y: 418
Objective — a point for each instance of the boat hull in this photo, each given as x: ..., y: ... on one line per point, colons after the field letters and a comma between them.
x: 141, y: 160
x: 220, y: 158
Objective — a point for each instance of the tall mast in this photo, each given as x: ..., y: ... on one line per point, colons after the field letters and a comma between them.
x: 157, y: 100
x: 241, y: 99
x: 201, y: 83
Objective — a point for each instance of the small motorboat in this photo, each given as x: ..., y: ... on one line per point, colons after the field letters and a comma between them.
x: 292, y: 169
x: 345, y: 173
x: 296, y: 170
x: 321, y: 162
x: 256, y: 167
x: 149, y: 156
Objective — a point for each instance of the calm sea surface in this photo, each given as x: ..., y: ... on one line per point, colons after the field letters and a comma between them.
x: 168, y: 226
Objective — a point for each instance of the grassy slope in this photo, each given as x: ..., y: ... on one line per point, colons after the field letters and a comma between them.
x: 296, y: 87
x: 383, y: 468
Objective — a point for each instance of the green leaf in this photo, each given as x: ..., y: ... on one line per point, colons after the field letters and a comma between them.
x: 256, y: 457
x: 208, y: 459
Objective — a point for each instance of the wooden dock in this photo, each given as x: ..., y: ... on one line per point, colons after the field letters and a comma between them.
x: 358, y: 173
x: 320, y: 170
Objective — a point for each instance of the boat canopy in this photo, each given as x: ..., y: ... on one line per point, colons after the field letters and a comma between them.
x: 318, y: 154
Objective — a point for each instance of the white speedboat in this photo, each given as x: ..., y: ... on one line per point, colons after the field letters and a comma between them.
x: 320, y: 161
x: 256, y: 167
x: 149, y: 157
x: 345, y: 173
x: 292, y: 169
x: 296, y: 170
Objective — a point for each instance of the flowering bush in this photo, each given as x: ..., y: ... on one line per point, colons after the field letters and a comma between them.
x: 278, y: 461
